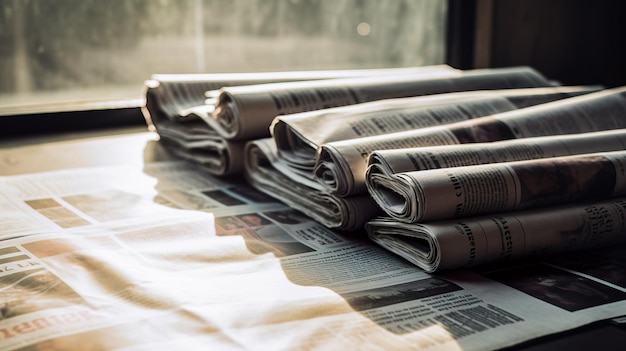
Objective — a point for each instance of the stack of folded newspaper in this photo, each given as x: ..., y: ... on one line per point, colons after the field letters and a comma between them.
x: 207, y: 118
x: 559, y: 185
x: 348, y: 147
x: 316, y: 160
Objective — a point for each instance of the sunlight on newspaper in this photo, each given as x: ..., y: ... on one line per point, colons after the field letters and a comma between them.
x: 433, y: 335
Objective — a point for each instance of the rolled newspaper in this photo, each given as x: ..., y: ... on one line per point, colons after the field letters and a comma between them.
x: 169, y: 95
x: 342, y: 165
x: 179, y: 107
x: 263, y: 171
x: 385, y: 165
x: 472, y: 241
x: 422, y: 196
x: 299, y: 135
x: 246, y: 112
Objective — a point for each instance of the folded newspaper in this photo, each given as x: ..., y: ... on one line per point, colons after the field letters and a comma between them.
x: 246, y: 112
x: 403, y: 181
x: 492, y: 188
x: 265, y: 172
x: 299, y: 135
x: 178, y: 107
x: 341, y: 165
x: 274, y: 175
x: 170, y: 95
x: 216, y: 156
x: 472, y: 241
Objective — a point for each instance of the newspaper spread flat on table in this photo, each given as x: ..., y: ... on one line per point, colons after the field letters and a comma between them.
x: 177, y: 109
x: 341, y: 165
x: 246, y: 112
x: 299, y: 135
x: 394, y: 177
x: 115, y: 258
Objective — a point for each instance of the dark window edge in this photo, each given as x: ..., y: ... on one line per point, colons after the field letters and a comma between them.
x: 34, y: 120
x: 460, y: 33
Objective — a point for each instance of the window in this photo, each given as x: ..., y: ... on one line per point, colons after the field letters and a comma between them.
x: 77, y: 50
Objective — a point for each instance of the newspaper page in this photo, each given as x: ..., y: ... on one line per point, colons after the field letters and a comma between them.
x: 422, y: 196
x: 246, y: 112
x: 341, y: 165
x: 299, y: 135
x: 194, y: 262
x: 77, y: 199
x: 41, y: 202
x: 263, y: 173
x: 465, y: 242
x: 123, y: 289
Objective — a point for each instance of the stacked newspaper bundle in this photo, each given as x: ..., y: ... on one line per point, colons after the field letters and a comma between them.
x: 181, y: 109
x: 347, y: 147
x: 288, y: 166
x: 494, y: 200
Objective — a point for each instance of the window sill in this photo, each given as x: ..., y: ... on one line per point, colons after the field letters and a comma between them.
x: 44, y: 119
